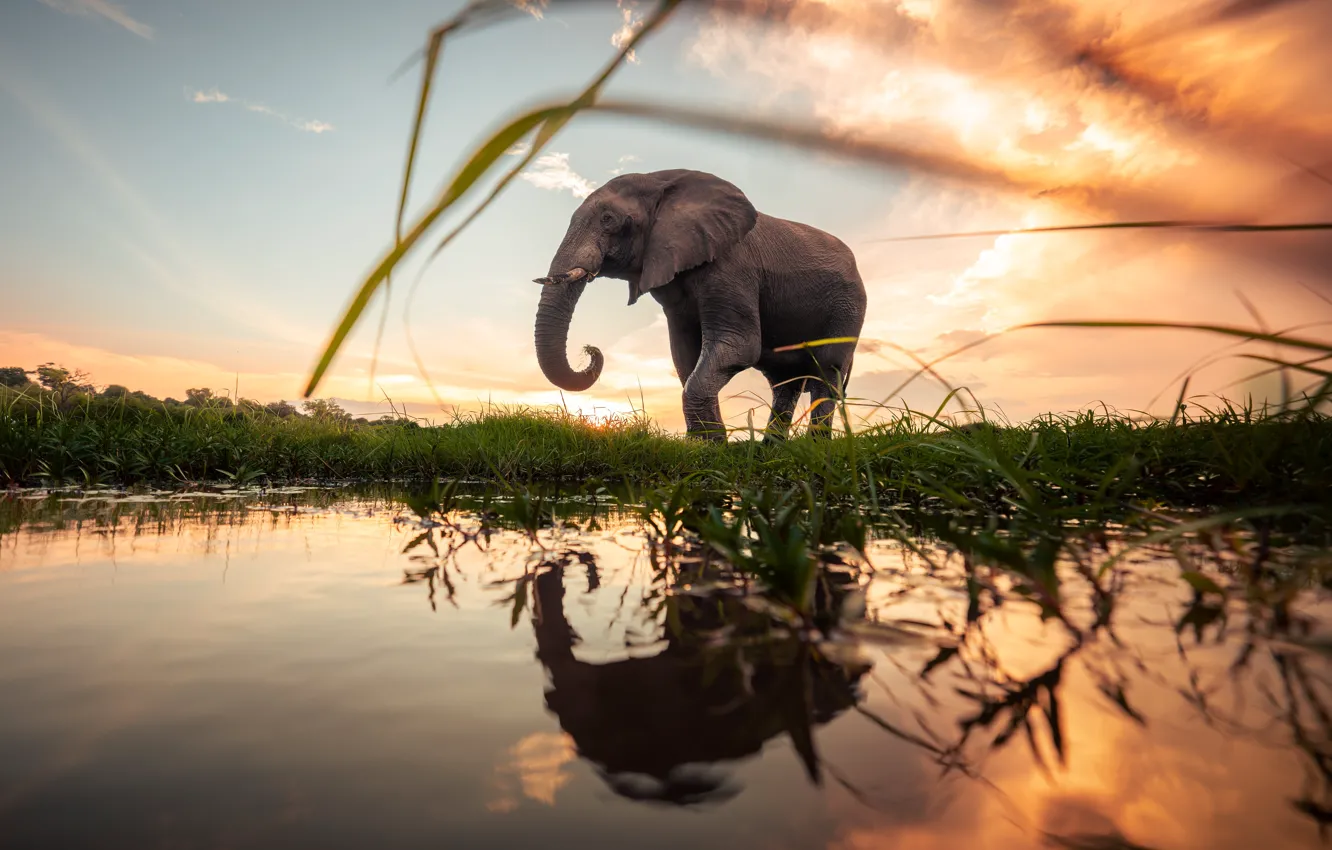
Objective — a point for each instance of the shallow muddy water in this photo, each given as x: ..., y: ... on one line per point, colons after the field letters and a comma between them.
x: 288, y: 670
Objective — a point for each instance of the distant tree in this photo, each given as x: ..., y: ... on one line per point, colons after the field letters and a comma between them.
x: 115, y: 391
x: 144, y: 397
x: 171, y: 402
x: 13, y: 376
x: 199, y: 396
x: 326, y: 410
x: 51, y: 376
x: 283, y: 409
x: 57, y: 378
x: 396, y: 421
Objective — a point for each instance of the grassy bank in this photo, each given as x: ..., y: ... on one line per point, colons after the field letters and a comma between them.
x: 1225, y: 458
x: 1016, y: 503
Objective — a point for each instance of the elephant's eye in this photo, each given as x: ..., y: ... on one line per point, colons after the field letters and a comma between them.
x: 608, y: 219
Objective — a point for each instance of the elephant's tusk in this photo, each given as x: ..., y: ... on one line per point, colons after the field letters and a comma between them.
x: 567, y: 277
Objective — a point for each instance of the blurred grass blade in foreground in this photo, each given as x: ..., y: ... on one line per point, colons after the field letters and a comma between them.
x: 477, y: 166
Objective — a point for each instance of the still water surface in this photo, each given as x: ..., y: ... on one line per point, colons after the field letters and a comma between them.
x: 276, y: 671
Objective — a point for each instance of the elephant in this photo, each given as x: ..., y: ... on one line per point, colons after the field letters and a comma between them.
x: 735, y: 285
x: 659, y: 728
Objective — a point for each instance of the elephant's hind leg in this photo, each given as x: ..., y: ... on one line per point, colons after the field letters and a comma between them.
x: 823, y: 400
x: 785, y: 394
x: 826, y: 393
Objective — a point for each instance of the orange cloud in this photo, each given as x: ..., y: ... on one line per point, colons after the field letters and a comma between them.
x: 1117, y: 111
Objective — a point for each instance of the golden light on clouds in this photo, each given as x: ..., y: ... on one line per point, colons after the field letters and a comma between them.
x: 1109, y: 97
x: 1121, y: 111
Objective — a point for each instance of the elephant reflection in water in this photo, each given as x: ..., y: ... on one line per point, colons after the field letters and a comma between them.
x: 654, y: 727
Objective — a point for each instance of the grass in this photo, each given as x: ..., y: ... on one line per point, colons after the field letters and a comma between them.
x: 1010, y: 496
x: 1076, y: 467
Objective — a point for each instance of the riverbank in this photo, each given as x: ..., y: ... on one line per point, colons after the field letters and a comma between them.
x: 1226, y: 458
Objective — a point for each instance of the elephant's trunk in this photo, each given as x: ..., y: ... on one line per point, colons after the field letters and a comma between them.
x: 552, y: 336
x: 575, y: 263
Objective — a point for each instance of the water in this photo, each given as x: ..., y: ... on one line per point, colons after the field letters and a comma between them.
x: 234, y: 671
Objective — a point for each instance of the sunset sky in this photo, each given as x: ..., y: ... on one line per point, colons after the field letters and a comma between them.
x: 191, y: 189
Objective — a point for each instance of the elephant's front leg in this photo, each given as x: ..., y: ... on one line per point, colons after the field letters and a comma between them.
x: 719, y: 362
x: 686, y: 344
x: 702, y: 410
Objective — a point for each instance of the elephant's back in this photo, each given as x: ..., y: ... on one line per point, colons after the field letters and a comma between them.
x: 797, y: 256
x: 809, y: 282
x: 791, y: 246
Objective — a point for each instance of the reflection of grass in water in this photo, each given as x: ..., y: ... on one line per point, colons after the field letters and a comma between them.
x: 1241, y: 593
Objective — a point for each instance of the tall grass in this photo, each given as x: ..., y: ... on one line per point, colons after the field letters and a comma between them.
x: 1067, y: 466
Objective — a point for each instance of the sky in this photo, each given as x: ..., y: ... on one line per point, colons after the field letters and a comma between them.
x: 192, y: 190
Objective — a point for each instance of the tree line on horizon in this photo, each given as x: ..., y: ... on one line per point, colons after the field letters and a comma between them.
x: 70, y: 384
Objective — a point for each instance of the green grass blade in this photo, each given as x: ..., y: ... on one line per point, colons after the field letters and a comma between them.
x: 815, y: 343
x: 476, y: 167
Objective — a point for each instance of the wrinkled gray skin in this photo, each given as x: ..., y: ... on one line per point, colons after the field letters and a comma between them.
x: 734, y: 284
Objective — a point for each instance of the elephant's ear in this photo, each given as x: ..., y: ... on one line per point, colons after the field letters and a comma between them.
x: 699, y: 217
